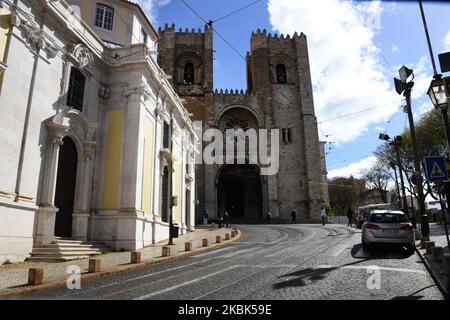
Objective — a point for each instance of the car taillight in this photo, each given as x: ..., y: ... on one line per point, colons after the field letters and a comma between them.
x: 372, y: 226
x: 408, y: 227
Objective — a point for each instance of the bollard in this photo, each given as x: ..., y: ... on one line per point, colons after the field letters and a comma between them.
x: 437, y: 253
x: 446, y: 259
x: 136, y: 257
x: 227, y: 236
x: 218, y: 239
x: 94, y: 265
x: 429, y: 245
x: 35, y: 276
x: 233, y: 234
x: 188, y: 246
x: 417, y: 235
x: 166, y: 251
x: 205, y: 242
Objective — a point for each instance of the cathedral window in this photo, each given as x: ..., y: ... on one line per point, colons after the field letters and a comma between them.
x: 189, y: 73
x: 281, y: 74
x: 75, y: 93
x: 104, y: 17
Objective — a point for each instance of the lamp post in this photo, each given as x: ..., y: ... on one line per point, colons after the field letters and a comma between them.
x: 404, y: 86
x: 396, y: 143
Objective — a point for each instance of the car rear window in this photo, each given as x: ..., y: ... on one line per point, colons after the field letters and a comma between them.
x: 388, y: 218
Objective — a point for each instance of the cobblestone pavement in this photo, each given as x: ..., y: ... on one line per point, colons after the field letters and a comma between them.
x: 288, y: 262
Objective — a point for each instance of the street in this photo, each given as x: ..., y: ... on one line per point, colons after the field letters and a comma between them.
x: 272, y: 262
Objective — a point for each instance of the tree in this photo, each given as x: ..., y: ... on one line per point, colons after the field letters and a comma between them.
x: 377, y: 178
x: 344, y: 193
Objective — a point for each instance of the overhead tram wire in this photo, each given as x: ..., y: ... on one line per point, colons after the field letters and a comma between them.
x: 234, y: 12
x: 210, y: 23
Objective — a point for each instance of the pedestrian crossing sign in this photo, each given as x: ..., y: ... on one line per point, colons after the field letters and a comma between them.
x: 436, y: 169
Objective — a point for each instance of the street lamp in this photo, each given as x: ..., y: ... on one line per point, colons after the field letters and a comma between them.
x: 404, y: 86
x: 439, y: 94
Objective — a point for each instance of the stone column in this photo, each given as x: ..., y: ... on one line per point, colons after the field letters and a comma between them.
x: 80, y: 217
x: 46, y: 214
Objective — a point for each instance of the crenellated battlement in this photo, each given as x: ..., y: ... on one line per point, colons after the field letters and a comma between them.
x: 172, y: 29
x: 232, y: 92
x: 265, y: 35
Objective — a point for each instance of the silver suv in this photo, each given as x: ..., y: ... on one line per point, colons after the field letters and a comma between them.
x: 384, y: 226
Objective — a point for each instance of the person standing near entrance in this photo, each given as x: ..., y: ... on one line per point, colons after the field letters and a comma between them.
x: 350, y: 217
x: 294, y: 216
x: 269, y: 215
x: 205, y: 217
x: 226, y: 219
x: 323, y: 215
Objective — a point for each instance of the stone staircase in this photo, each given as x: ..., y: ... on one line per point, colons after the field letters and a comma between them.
x: 64, y: 249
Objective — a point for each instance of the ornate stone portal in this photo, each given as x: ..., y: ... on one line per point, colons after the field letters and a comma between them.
x: 73, y: 124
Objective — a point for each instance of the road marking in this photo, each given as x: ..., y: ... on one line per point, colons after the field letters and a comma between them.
x: 211, y: 252
x: 368, y: 267
x: 232, y: 254
x: 184, y: 284
x: 339, y: 250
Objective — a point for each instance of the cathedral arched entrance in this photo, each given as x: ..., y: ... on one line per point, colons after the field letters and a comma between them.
x: 240, y: 192
x: 65, y: 187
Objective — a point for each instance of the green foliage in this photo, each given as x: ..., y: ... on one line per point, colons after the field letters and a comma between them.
x: 344, y: 193
x: 6, y: 262
x: 329, y: 210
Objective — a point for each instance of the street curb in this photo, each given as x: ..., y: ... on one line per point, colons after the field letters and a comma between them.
x: 435, y: 275
x: 116, y: 270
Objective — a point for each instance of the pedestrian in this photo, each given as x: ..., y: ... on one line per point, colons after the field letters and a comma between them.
x: 350, y: 217
x: 323, y: 215
x: 268, y: 217
x: 220, y: 220
x: 226, y: 219
x: 294, y: 216
x: 205, y: 217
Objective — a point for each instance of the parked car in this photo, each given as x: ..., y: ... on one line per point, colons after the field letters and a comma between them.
x: 385, y: 226
x: 364, y: 212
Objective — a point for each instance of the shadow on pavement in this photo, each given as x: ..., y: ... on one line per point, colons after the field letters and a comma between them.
x: 381, y: 251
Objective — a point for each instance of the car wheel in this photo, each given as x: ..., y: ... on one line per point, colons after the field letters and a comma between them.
x: 410, y: 249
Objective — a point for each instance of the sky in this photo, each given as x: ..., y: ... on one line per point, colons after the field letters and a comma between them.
x: 355, y: 48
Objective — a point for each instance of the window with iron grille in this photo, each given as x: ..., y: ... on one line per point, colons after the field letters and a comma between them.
x: 75, y: 94
x: 104, y: 17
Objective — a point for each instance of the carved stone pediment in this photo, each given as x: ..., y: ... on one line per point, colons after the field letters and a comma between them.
x: 82, y: 56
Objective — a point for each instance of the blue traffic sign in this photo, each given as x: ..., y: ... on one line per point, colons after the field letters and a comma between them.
x: 436, y: 169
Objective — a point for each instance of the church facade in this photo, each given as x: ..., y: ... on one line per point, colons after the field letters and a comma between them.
x: 278, y: 96
x: 95, y: 143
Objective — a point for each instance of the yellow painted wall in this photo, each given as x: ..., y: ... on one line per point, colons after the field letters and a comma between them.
x: 112, y: 162
x: 5, y: 18
x: 121, y: 12
x: 147, y: 179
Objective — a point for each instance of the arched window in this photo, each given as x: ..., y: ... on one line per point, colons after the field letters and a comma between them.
x: 281, y: 74
x: 189, y: 73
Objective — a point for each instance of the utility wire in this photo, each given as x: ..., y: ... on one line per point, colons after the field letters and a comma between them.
x: 210, y: 23
x: 354, y: 113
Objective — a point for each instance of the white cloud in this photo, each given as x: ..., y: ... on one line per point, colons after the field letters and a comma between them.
x: 347, y: 68
x: 395, y: 48
x: 150, y: 8
x: 446, y: 41
x: 354, y: 169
